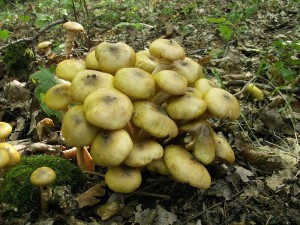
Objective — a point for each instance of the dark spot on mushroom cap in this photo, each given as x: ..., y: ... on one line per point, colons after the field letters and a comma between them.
x: 108, y: 99
x: 106, y: 137
x: 138, y: 74
x: 184, y: 63
x: 77, y: 120
x: 113, y: 49
x: 226, y: 97
x: 90, y: 79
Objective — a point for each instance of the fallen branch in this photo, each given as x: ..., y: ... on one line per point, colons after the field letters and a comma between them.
x: 33, y: 39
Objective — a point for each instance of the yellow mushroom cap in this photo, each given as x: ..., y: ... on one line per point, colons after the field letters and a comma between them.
x: 14, y: 156
x: 166, y: 49
x: 222, y: 104
x: 44, y: 45
x: 134, y: 82
x: 5, y: 130
x: 108, y: 108
x: 68, y: 69
x: 254, y: 91
x: 59, y: 96
x: 43, y: 176
x: 185, y: 168
x: 224, y: 151
x: 91, y: 61
x: 114, y: 56
x: 87, y: 81
x: 204, y: 84
x: 77, y: 131
x: 123, y: 179
x: 145, y: 61
x: 110, y: 148
x: 73, y: 26
x: 189, y: 69
x: 4, y: 158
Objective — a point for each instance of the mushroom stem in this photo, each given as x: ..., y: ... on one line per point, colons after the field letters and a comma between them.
x: 69, y: 43
x: 45, y: 197
x: 160, y: 97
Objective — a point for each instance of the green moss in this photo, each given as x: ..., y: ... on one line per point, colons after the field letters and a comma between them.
x: 16, y: 189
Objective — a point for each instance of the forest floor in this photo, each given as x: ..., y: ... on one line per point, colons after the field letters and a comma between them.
x: 234, y: 45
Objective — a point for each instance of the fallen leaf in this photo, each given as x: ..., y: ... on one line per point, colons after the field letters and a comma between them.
x: 243, y: 173
x: 114, y: 204
x: 89, y: 198
x: 276, y: 181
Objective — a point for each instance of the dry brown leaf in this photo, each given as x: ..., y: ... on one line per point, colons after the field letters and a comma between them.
x: 89, y: 198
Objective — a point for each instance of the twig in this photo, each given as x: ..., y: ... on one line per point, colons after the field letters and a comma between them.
x: 35, y: 37
x: 295, y: 90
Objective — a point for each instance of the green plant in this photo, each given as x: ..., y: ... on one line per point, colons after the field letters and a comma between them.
x: 17, y: 191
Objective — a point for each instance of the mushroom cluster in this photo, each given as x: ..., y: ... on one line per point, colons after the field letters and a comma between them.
x: 9, y: 156
x: 143, y: 110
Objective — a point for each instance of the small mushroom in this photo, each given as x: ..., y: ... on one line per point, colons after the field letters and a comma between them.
x: 72, y: 29
x: 110, y: 148
x: 135, y: 83
x: 185, y: 168
x: 5, y: 130
x: 68, y: 68
x: 43, y: 177
x: 143, y: 153
x: 153, y: 119
x: 200, y: 140
x: 44, y: 47
x: 252, y: 90
x: 224, y: 152
x: 114, y: 56
x: 222, y: 104
x: 14, y: 156
x: 59, y: 97
x: 87, y: 81
x: 169, y: 83
x: 123, y: 179
x: 108, y: 108
x: 145, y: 61
x: 4, y: 159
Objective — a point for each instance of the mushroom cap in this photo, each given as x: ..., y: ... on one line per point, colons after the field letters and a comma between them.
x: 254, y: 91
x: 195, y: 91
x: 189, y: 69
x: 108, y: 108
x: 43, y: 45
x: 4, y: 158
x: 204, y: 85
x: 165, y: 49
x: 123, y: 179
x: 145, y: 61
x: 143, y: 153
x: 5, y: 130
x: 76, y: 130
x: 153, y: 119
x: 68, y: 68
x: 87, y: 81
x: 110, y: 148
x: 158, y: 166
x: 14, y: 156
x: 171, y: 82
x: 114, y: 56
x: 73, y: 27
x: 134, y: 82
x: 59, y: 96
x: 185, y: 107
x: 222, y: 104
x: 200, y: 140
x: 185, y: 168
x: 224, y: 151
x: 91, y: 61
x: 43, y: 176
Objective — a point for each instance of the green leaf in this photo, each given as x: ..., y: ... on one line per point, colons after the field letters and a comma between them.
x: 288, y: 74
x: 216, y: 20
x: 226, y: 32
x: 44, y: 79
x: 4, y: 35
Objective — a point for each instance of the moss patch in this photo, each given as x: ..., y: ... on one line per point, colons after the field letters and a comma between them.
x: 16, y: 189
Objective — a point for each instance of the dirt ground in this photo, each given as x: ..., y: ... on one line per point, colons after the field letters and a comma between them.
x: 263, y: 185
